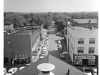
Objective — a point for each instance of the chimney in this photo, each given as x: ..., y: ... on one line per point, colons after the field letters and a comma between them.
x: 45, y: 69
x: 89, y: 21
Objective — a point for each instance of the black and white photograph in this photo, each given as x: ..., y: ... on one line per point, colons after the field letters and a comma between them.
x: 50, y: 37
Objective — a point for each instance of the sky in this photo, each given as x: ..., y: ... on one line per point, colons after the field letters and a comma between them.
x: 50, y: 5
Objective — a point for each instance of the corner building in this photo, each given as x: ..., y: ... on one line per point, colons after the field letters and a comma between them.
x: 82, y: 45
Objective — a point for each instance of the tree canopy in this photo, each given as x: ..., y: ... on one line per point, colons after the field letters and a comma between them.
x: 15, y: 19
x: 24, y: 19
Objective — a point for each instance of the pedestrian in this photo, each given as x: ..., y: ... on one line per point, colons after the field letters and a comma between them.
x: 68, y: 71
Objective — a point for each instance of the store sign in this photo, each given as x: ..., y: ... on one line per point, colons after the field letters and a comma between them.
x: 85, y: 57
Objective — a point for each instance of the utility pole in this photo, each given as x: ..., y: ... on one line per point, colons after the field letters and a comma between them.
x: 12, y: 52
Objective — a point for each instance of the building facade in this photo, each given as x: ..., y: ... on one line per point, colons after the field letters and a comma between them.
x: 18, y: 47
x: 82, y: 45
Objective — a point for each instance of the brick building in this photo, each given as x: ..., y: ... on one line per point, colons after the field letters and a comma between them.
x: 18, y: 46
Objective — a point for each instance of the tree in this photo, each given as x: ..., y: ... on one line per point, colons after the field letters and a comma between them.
x: 15, y: 19
x: 60, y: 20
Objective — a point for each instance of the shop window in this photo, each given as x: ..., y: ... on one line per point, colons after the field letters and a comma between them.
x: 91, y: 40
x: 80, y: 40
x: 80, y: 49
x: 78, y: 61
x: 91, y: 49
x: 91, y: 61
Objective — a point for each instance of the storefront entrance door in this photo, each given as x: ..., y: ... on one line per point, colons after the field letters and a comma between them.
x: 85, y: 61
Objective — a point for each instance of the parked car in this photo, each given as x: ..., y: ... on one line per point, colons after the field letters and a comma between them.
x: 59, y: 45
x: 87, y: 71
x: 43, y: 50
x: 4, y: 71
x: 21, y: 67
x: 11, y: 71
x: 41, y: 56
x: 58, y: 34
x: 44, y: 47
x: 59, y: 42
x: 27, y: 64
x: 94, y: 71
x: 62, y: 55
x: 47, y: 35
x: 45, y: 42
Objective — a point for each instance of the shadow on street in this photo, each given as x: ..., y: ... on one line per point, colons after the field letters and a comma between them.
x: 55, y: 53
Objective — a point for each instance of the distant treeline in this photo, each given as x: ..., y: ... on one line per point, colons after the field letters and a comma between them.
x: 24, y: 19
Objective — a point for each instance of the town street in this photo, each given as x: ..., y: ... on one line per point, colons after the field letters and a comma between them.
x: 61, y: 67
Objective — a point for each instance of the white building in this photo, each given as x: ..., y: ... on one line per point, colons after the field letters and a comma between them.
x: 82, y: 45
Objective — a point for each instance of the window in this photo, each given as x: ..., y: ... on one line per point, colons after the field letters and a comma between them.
x: 80, y: 49
x: 91, y: 49
x: 80, y: 40
x: 91, y: 40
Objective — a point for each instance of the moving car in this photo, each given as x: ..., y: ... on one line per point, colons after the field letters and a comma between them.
x: 12, y: 71
x: 94, y: 71
x: 87, y: 71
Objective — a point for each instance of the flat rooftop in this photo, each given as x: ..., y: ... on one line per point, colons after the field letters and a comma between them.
x: 85, y: 20
x: 26, y: 31
x: 81, y: 29
x: 23, y: 32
